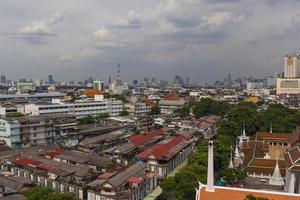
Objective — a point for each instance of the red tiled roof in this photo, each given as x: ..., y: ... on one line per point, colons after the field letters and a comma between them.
x: 171, y: 97
x: 46, y: 167
x: 33, y: 163
x: 295, y: 154
x: 141, y: 139
x: 266, y: 136
x: 223, y: 193
x: 55, y: 152
x: 149, y: 151
x: 26, y: 162
x: 106, y: 175
x: 267, y: 163
x: 162, y: 150
x: 294, y: 138
x: 292, y: 158
x: 135, y: 179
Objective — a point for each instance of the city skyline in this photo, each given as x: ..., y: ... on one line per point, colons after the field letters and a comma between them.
x: 202, y: 39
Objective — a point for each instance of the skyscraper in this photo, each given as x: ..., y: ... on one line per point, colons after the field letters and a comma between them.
x: 3, y: 79
x: 98, y: 85
x: 109, y: 80
x: 50, y: 79
x: 290, y: 84
x: 292, y: 66
x: 119, y: 82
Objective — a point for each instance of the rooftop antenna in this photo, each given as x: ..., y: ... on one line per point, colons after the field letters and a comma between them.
x: 119, y: 78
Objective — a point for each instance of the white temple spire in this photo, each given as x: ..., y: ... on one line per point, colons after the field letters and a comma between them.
x: 210, y: 168
x: 231, y: 162
x: 244, y: 131
x: 271, y: 128
x: 276, y: 177
x: 237, y: 157
x: 241, y: 142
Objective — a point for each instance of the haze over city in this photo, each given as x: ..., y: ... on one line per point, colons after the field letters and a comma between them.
x: 203, y: 39
x: 149, y: 100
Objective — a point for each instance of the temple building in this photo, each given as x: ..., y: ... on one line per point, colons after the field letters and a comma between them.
x: 211, y: 192
x: 263, y: 153
x: 243, y: 138
x: 292, y: 160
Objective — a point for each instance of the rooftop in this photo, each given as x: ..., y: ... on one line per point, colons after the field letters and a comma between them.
x: 141, y: 139
x: 166, y: 150
x: 226, y: 193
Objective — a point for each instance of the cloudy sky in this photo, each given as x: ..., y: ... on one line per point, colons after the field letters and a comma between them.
x: 203, y: 39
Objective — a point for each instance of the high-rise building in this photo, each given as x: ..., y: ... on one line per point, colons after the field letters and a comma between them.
x: 50, y: 79
x: 38, y: 82
x: 290, y: 84
x: 178, y: 80
x: 98, y: 85
x: 119, y: 81
x: 3, y: 80
x: 109, y: 80
x: 292, y: 66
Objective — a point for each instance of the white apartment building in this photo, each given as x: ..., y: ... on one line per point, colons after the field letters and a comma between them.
x: 292, y: 66
x: 10, y: 132
x: 138, y: 109
x: 28, y: 131
x: 79, y: 109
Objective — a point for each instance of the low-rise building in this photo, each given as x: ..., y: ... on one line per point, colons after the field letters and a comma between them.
x: 165, y: 156
x: 170, y: 103
x: 134, y: 183
x: 144, y: 123
x: 126, y: 153
x: 58, y: 169
x: 138, y: 109
x: 38, y: 130
x: 79, y: 108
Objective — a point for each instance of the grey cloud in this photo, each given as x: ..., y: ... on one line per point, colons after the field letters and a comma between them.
x: 133, y: 21
x: 38, y: 31
x: 209, y: 37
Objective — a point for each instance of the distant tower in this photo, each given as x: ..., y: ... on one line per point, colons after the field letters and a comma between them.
x: 50, y: 79
x: 118, y: 75
x: 109, y: 79
x: 210, y: 168
x: 229, y: 81
x: 292, y: 66
x: 3, y: 79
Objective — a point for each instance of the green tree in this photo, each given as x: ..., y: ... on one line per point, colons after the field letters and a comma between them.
x: 181, y: 186
x: 183, y: 112
x: 234, y: 175
x: 42, y: 193
x: 87, y: 120
x: 101, y: 116
x: 155, y: 110
x: 124, y: 112
x: 207, y: 106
